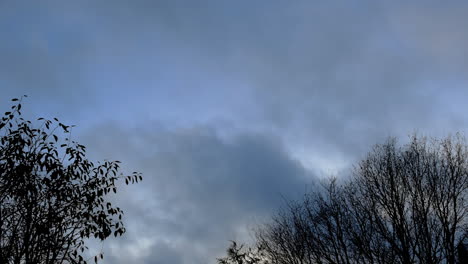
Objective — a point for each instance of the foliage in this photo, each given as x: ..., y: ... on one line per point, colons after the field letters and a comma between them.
x: 51, y: 197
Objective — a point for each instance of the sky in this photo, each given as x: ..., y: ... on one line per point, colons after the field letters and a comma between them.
x: 229, y: 108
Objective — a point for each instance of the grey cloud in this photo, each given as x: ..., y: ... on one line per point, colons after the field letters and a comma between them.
x: 200, y: 189
x: 159, y: 253
x: 43, y: 53
x: 334, y: 77
x: 315, y: 67
x: 162, y: 253
x: 338, y: 77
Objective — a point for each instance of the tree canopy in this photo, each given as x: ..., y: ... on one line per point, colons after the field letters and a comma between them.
x: 52, y: 198
x: 403, y: 204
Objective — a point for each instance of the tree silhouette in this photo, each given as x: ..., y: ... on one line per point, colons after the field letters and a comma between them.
x: 404, y: 204
x: 236, y: 254
x: 51, y: 197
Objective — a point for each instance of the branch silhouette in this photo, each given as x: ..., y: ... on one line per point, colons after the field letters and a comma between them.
x: 52, y: 198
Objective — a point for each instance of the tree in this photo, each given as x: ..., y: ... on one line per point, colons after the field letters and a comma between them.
x: 405, y: 204
x: 238, y: 255
x: 52, y: 199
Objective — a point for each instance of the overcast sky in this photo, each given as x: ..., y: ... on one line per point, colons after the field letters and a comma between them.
x: 228, y: 107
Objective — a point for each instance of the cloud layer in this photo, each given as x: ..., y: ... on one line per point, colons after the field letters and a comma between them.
x: 199, y: 189
x: 226, y: 106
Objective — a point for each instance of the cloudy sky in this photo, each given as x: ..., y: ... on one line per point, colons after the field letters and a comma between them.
x: 229, y: 107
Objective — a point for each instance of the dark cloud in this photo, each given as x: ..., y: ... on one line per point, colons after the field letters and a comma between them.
x: 200, y: 189
x: 329, y: 76
x: 336, y: 77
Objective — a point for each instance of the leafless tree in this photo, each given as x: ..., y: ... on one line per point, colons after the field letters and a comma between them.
x: 238, y: 254
x: 403, y: 204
